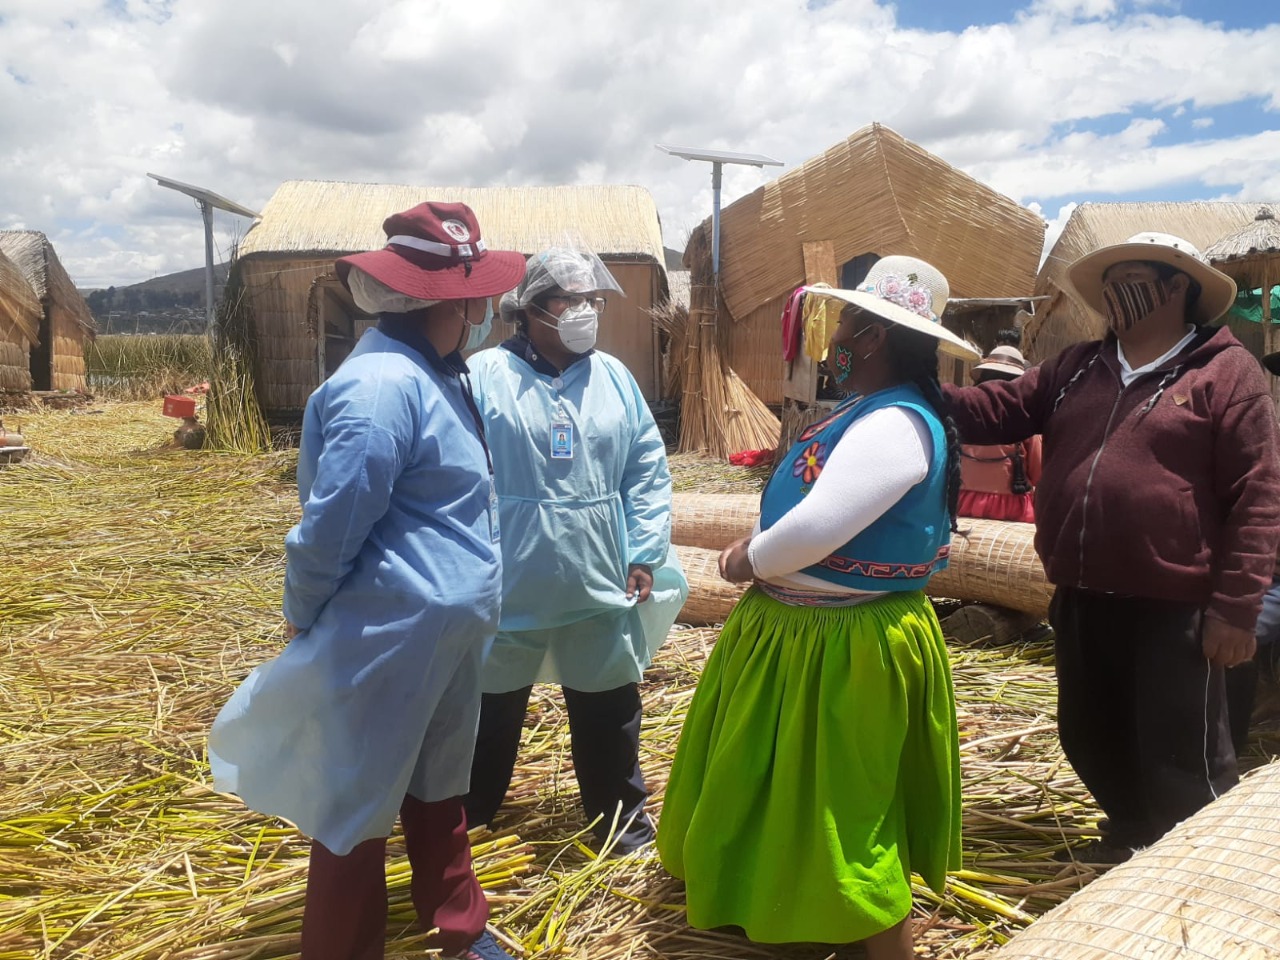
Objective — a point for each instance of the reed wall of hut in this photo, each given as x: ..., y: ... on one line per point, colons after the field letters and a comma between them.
x: 877, y: 194
x: 1064, y: 319
x: 20, y: 316
x: 56, y: 359
x: 303, y: 321
x: 305, y: 324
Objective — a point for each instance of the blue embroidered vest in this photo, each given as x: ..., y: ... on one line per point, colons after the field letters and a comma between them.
x: 902, y: 548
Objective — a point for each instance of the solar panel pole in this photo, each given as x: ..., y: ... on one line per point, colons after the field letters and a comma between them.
x: 206, y: 200
x: 716, y: 170
x: 206, y: 212
x: 717, y: 159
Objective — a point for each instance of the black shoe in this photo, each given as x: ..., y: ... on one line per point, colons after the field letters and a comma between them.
x: 485, y: 948
x: 636, y: 835
x: 1102, y: 851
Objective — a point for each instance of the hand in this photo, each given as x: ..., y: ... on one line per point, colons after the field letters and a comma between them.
x: 639, y: 582
x: 735, y: 564
x: 1225, y: 645
x: 290, y: 631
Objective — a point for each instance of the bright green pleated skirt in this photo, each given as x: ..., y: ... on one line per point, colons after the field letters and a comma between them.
x: 817, y: 768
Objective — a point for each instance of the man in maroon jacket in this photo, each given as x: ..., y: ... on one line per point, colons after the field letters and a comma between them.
x: 1157, y: 518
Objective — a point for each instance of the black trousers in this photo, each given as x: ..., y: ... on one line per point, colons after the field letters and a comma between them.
x: 1141, y: 713
x: 604, y: 729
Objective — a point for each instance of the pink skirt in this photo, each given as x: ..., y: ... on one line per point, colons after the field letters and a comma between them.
x: 997, y: 506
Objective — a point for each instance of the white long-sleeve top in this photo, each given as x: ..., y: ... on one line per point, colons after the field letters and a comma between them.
x: 877, y: 460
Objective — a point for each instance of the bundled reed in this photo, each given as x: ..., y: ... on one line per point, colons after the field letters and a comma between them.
x: 992, y: 561
x: 995, y: 561
x: 719, y: 415
x: 236, y: 421
x: 672, y: 321
x: 712, y: 521
x: 1210, y: 888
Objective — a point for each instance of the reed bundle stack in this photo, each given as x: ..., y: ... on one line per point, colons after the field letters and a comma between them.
x: 719, y: 415
x: 991, y: 561
x: 1210, y: 888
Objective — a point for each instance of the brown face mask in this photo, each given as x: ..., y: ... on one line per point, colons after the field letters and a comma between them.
x: 1130, y: 301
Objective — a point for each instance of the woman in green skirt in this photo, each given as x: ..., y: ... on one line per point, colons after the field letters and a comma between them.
x: 818, y: 767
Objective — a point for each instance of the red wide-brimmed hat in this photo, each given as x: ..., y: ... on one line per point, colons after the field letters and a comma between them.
x: 435, y: 252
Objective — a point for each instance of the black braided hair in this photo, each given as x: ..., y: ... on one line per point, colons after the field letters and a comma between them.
x: 913, y: 357
x: 1009, y: 337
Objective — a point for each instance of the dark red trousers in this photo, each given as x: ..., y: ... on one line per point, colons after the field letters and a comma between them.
x: 345, y: 917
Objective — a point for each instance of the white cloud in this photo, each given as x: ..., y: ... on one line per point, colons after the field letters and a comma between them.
x: 239, y: 95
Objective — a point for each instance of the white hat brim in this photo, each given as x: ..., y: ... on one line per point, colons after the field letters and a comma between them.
x: 997, y: 366
x: 1217, y: 290
x: 948, y: 342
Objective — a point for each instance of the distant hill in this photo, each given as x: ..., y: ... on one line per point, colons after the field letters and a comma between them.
x: 173, y: 303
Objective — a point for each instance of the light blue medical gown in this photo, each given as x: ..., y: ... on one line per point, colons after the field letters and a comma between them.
x: 572, y: 527
x: 394, y: 581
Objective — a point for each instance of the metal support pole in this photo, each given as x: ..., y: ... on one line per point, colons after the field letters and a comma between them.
x: 716, y: 169
x: 206, y: 212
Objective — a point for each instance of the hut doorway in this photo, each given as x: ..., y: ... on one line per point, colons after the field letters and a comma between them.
x: 339, y: 325
x: 42, y: 356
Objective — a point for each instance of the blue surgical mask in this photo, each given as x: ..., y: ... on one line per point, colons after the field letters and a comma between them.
x: 478, y: 333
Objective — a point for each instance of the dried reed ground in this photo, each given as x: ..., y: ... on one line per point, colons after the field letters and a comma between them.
x: 140, y: 584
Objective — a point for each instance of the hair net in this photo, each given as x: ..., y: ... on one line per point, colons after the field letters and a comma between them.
x: 557, y: 267
x: 373, y: 296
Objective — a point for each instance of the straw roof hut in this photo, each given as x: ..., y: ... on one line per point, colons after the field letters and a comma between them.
x: 65, y: 321
x: 1064, y: 320
x: 302, y: 322
x: 830, y: 218
x: 20, y: 316
x: 1250, y: 255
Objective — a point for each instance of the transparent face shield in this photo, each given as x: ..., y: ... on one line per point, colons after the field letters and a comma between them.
x: 582, y: 279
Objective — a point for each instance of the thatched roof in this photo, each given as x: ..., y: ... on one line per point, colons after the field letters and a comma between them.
x: 678, y: 282
x: 1250, y: 253
x: 877, y: 192
x: 19, y: 306
x: 317, y: 217
x: 33, y: 254
x: 1092, y: 225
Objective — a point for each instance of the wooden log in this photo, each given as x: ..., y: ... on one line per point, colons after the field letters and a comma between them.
x: 1209, y: 888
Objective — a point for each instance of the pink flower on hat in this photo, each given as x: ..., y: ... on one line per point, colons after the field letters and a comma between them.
x: 906, y: 293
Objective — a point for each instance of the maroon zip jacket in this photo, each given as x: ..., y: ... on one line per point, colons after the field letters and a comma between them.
x: 1167, y: 489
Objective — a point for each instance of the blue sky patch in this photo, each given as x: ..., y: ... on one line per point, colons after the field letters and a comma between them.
x: 955, y: 17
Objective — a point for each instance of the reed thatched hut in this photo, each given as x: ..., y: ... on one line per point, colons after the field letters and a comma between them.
x: 1064, y: 319
x: 65, y: 324
x: 19, y: 328
x: 302, y: 322
x: 829, y: 219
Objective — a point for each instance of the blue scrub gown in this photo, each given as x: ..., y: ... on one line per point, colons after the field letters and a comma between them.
x: 394, y: 581
x: 572, y: 526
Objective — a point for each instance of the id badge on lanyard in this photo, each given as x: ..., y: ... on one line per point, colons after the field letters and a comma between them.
x: 495, y: 530
x: 562, y: 439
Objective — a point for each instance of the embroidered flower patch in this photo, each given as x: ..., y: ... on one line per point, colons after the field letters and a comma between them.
x: 809, y: 464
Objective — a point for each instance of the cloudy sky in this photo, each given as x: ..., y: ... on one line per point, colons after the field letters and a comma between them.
x: 1053, y: 102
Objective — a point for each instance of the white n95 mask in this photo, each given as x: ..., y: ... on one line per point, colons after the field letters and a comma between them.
x: 578, y: 328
